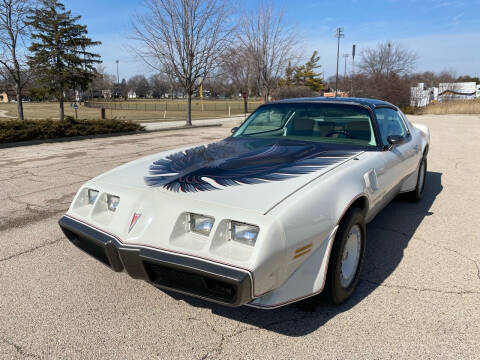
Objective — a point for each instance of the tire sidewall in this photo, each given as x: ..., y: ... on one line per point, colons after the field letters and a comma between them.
x: 418, y: 193
x: 338, y: 294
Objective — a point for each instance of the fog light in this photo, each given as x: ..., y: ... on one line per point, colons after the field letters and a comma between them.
x: 201, y: 224
x: 92, y: 196
x: 244, y: 233
x: 112, y: 202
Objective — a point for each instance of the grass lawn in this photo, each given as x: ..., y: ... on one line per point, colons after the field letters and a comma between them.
x: 147, y: 110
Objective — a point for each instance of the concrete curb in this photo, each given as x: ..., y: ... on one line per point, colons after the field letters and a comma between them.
x: 99, y: 136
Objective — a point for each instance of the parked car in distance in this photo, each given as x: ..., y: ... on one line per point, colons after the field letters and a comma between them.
x: 273, y: 214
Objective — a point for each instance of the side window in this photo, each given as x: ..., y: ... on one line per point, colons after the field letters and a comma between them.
x: 389, y: 123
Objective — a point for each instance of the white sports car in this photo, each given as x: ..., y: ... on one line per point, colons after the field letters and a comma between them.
x: 273, y: 214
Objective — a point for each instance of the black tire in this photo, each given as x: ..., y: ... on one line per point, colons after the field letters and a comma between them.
x: 417, y: 194
x: 334, y: 291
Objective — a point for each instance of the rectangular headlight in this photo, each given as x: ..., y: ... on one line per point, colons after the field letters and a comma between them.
x: 244, y: 233
x: 201, y: 224
x: 92, y: 196
x: 112, y: 202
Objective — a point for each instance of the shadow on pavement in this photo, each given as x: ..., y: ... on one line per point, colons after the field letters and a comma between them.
x: 387, y: 237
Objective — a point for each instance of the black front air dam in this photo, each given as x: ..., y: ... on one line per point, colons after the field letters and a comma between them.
x: 95, y: 243
x: 162, y: 269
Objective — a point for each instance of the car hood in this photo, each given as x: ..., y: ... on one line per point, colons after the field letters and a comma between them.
x: 249, y: 173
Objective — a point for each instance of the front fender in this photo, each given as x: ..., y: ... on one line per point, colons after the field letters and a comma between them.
x: 310, y: 219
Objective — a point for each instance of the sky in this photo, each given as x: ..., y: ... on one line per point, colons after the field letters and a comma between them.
x: 445, y: 34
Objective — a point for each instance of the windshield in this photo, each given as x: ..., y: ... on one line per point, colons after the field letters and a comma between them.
x: 320, y: 122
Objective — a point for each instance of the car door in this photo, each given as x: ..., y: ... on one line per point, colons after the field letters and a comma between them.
x: 399, y: 161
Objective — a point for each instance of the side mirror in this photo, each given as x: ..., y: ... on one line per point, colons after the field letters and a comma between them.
x: 395, y: 140
x: 234, y: 129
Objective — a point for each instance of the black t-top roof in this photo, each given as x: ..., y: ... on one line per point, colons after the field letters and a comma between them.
x: 372, y: 103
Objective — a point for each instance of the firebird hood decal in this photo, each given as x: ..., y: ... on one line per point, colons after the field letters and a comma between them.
x: 238, y: 161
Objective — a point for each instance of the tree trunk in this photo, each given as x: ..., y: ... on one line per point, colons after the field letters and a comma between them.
x: 62, y: 110
x: 266, y: 95
x: 19, y: 102
x: 189, y: 109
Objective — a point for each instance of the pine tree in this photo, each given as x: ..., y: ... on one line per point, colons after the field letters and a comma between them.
x: 289, y: 78
x: 306, y: 75
x: 59, y: 50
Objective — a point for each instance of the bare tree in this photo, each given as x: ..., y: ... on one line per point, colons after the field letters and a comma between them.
x: 103, y: 80
x: 387, y: 59
x: 13, y: 29
x: 236, y: 66
x: 270, y: 43
x: 183, y: 38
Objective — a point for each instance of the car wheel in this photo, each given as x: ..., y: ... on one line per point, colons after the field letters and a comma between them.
x: 346, y: 258
x: 417, y: 194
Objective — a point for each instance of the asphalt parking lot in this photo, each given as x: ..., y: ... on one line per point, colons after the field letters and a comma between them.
x: 419, y: 296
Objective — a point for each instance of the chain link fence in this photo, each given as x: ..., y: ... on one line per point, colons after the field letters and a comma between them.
x: 220, y: 108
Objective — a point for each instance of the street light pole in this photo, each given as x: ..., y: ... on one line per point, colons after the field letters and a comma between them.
x: 338, y: 34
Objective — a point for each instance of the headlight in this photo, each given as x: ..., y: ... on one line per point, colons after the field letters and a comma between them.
x: 92, y: 196
x: 244, y: 233
x: 112, y: 202
x: 201, y: 224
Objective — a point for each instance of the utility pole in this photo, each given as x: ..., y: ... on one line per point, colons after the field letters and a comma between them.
x: 338, y: 34
x: 345, y: 56
x: 354, y: 48
x: 118, y: 74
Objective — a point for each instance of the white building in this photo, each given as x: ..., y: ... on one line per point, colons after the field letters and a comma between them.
x: 458, y: 91
x: 132, y: 94
x: 421, y: 96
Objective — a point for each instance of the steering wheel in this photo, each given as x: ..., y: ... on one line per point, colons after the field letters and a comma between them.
x: 347, y: 133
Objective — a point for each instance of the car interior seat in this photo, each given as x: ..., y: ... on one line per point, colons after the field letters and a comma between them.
x: 302, y: 126
x: 359, y: 130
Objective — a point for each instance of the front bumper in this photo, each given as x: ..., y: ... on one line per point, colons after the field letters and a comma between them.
x: 162, y: 268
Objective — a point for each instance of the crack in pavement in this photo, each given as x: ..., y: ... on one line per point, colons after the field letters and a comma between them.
x: 47, y: 189
x: 31, y: 249
x: 19, y: 349
x: 406, y: 235
x: 225, y: 337
x: 120, y: 157
x: 454, y: 251
x: 462, y: 292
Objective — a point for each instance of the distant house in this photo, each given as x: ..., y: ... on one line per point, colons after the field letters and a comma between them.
x: 132, y: 94
x: 7, y: 96
x: 107, y: 94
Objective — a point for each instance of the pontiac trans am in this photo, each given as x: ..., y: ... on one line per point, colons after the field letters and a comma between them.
x: 271, y: 215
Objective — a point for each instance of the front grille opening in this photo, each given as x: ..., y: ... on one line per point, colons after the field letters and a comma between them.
x: 190, y: 282
x: 97, y: 251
